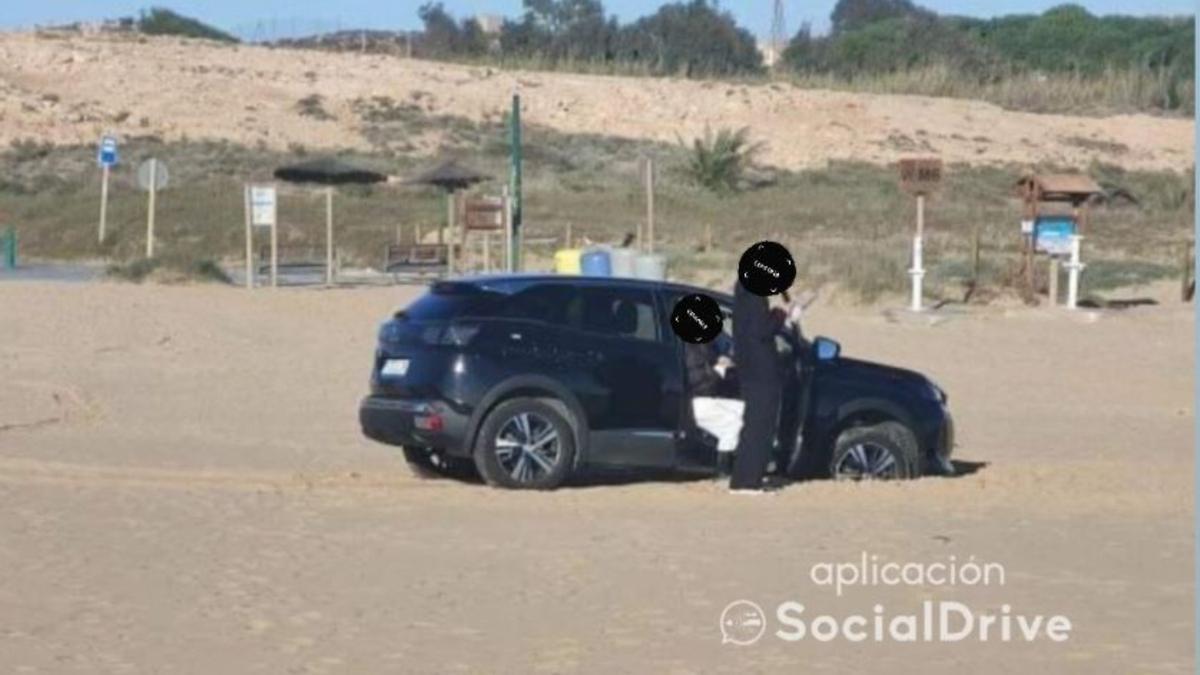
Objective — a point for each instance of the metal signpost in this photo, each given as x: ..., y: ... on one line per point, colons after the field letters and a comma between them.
x: 919, y: 177
x: 514, y: 188
x: 648, y: 169
x: 261, y: 211
x: 152, y: 177
x: 107, y: 157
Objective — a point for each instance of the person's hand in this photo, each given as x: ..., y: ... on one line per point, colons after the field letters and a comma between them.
x: 778, y: 314
x: 795, y: 313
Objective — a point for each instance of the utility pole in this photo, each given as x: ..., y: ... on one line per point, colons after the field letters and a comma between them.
x: 778, y: 33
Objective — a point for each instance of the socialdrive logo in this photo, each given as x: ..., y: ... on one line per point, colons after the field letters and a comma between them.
x: 742, y: 623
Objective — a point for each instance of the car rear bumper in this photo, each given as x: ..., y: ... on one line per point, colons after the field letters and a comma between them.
x: 411, y: 422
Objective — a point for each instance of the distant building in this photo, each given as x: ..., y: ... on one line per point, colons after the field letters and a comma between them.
x: 771, y: 53
x: 490, y: 24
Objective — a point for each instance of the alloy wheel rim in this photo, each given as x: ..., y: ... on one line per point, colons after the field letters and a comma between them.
x: 528, y: 447
x: 867, y: 461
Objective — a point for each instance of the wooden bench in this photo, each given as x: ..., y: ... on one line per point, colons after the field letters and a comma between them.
x: 416, y: 259
x: 296, y: 259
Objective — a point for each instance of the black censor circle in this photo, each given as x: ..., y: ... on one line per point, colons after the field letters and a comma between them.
x: 767, y: 268
x: 697, y: 318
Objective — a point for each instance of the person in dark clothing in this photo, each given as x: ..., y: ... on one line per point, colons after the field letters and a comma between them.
x: 700, y: 360
x: 754, y: 327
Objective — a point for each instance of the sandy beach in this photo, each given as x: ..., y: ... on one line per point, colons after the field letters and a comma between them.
x: 184, y: 489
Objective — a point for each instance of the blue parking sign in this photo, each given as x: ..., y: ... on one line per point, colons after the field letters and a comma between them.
x: 107, y: 156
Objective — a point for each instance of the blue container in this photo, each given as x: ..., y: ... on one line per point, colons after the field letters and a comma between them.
x: 596, y: 262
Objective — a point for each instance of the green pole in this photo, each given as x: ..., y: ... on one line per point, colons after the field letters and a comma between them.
x: 514, y: 186
x: 10, y: 248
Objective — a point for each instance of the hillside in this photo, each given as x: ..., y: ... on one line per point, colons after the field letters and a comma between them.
x: 67, y: 89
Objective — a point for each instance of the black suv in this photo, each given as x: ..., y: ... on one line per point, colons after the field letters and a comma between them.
x: 528, y: 379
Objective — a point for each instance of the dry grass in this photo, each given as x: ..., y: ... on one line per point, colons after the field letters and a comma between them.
x: 1115, y: 91
x: 848, y: 223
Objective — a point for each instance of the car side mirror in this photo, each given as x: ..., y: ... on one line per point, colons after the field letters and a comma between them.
x: 825, y: 349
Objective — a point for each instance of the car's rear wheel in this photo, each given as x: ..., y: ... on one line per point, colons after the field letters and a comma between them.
x: 428, y: 464
x: 883, y: 451
x: 525, y: 444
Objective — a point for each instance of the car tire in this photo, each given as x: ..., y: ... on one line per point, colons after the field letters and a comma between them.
x: 526, y: 444
x: 427, y: 464
x: 883, y: 451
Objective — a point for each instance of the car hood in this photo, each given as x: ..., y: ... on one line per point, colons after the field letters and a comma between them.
x: 866, y: 370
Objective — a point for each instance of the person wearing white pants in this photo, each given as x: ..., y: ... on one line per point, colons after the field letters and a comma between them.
x: 718, y: 415
x: 721, y: 417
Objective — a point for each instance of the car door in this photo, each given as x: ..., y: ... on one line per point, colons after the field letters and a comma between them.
x: 632, y: 391
x: 694, y: 448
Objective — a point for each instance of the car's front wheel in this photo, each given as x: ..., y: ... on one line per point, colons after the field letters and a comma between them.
x: 525, y: 444
x: 883, y: 451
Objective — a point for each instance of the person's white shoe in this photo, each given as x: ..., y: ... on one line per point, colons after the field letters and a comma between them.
x: 747, y: 491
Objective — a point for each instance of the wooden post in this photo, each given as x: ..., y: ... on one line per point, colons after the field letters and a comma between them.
x: 150, y: 208
x: 103, y: 203
x: 460, y: 205
x: 650, y: 205
x: 249, y: 240
x: 1052, y: 288
x: 487, y: 253
x: 1187, y: 282
x: 975, y: 258
x: 450, y: 236
x: 275, y: 253
x: 510, y: 263
x: 1033, y: 198
x: 567, y: 238
x: 329, y: 236
x: 708, y: 243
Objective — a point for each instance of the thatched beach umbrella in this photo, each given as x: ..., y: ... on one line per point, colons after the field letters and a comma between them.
x: 328, y: 171
x: 451, y: 177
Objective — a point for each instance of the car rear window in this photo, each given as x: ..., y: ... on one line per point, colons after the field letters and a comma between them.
x: 447, y: 301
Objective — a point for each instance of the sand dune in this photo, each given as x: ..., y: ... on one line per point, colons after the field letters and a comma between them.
x: 73, y: 89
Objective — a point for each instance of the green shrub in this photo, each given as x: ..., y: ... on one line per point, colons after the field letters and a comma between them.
x: 717, y: 161
x: 160, y: 21
x: 171, y: 269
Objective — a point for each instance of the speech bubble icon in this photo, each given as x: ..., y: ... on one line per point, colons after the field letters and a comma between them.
x: 742, y: 623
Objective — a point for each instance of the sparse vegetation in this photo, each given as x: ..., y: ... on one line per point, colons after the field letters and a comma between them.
x: 173, y: 269
x: 313, y: 106
x: 718, y: 161
x: 847, y: 223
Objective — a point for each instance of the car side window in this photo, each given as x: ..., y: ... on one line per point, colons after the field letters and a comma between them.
x: 617, y: 312
x: 548, y: 303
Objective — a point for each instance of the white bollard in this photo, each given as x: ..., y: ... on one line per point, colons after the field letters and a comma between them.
x: 917, y: 273
x: 1074, y: 267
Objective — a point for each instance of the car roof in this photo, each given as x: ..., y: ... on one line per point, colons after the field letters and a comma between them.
x: 527, y: 279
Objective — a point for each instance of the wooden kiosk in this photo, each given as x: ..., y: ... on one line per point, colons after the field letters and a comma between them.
x: 1058, y: 235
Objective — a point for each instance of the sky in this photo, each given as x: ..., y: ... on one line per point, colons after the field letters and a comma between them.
x: 278, y: 18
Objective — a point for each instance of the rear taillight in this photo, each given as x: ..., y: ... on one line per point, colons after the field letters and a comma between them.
x: 432, y: 422
x: 456, y: 334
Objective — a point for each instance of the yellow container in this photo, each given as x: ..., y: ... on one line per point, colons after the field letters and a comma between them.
x: 566, y: 261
